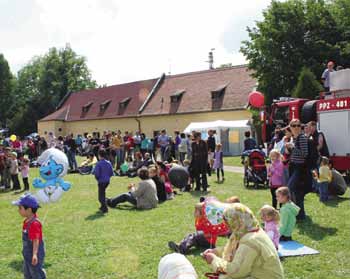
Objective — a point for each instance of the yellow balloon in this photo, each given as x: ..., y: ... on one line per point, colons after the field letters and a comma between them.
x: 13, y: 137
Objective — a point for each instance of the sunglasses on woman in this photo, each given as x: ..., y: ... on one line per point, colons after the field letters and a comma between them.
x: 295, y: 125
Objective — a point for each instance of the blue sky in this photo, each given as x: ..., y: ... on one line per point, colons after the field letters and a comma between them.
x: 127, y: 40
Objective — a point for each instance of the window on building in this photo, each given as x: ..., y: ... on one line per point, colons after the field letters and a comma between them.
x: 86, y: 107
x: 123, y: 105
x: 217, y: 97
x: 218, y: 93
x: 176, y: 97
x: 104, y: 106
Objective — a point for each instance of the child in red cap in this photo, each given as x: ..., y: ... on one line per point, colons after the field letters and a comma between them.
x: 32, y: 237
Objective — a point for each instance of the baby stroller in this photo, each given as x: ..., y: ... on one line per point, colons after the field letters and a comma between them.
x: 254, y: 168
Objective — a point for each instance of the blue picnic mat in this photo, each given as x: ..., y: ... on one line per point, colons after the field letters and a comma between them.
x: 293, y: 248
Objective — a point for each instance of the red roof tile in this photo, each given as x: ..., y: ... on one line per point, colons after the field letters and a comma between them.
x: 104, y: 102
x: 197, y: 88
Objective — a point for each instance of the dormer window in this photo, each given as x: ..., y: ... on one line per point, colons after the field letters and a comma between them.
x: 86, y: 107
x: 176, y: 97
x: 104, y: 106
x: 218, y: 93
x: 123, y: 105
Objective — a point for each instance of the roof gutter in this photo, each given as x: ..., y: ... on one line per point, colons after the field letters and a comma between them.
x: 153, y: 91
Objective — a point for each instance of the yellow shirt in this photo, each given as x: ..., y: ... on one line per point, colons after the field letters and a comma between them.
x: 116, y: 142
x: 255, y: 257
x: 89, y: 162
x: 325, y: 174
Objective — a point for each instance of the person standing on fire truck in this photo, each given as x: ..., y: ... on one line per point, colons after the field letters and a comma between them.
x: 326, y: 75
x: 300, y: 179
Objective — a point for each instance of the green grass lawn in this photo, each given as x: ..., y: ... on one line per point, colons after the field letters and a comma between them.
x: 233, y: 161
x: 127, y: 243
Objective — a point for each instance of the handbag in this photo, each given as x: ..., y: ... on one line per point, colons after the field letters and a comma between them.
x: 212, y: 275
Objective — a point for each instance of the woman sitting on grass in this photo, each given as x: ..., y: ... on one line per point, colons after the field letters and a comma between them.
x: 87, y: 165
x: 249, y: 253
x: 144, y: 196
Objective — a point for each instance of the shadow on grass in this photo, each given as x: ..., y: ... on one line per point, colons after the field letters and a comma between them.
x: 314, y: 230
x: 5, y: 190
x: 95, y: 216
x: 334, y: 202
x: 18, y: 265
x: 126, y: 207
x: 18, y: 192
x: 198, y: 194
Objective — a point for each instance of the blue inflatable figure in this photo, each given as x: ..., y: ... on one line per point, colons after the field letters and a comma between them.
x: 54, y: 165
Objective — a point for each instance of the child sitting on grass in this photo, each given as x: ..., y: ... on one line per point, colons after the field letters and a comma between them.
x: 271, y: 218
x: 33, y: 245
x: 323, y: 179
x: 87, y: 165
x: 153, y: 174
x: 288, y: 213
x: 198, y: 239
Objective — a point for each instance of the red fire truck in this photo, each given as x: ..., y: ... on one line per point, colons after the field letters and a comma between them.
x: 331, y: 112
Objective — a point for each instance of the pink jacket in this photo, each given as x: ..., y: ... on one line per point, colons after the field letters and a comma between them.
x: 272, y: 231
x: 275, y: 171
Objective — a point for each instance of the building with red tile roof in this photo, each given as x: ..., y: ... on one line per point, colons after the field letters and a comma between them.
x: 170, y: 102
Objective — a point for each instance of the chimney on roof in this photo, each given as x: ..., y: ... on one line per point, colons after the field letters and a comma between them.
x: 211, y: 59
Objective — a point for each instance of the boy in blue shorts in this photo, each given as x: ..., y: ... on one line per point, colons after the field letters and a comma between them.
x: 32, y: 237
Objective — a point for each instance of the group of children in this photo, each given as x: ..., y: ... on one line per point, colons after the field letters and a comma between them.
x: 277, y: 173
x: 278, y: 225
x: 10, y: 167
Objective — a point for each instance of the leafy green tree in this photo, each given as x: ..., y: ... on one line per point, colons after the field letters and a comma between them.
x: 43, y: 83
x: 307, y: 87
x: 7, y: 83
x: 294, y: 34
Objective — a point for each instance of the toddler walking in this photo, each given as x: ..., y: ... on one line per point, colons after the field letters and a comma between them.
x: 219, y: 163
x: 275, y: 174
x: 25, y: 173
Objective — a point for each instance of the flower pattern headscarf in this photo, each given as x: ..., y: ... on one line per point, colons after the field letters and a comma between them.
x: 241, y: 220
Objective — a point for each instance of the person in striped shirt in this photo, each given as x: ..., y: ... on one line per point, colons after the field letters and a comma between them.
x: 300, y: 175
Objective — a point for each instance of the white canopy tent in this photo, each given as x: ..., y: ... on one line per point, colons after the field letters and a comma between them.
x: 229, y: 133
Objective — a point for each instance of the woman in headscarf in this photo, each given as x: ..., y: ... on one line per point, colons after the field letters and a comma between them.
x: 249, y: 253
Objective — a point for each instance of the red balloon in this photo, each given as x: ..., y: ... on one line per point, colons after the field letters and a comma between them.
x: 256, y: 99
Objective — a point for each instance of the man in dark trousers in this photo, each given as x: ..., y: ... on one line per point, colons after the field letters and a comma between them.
x: 211, y: 147
x: 199, y: 163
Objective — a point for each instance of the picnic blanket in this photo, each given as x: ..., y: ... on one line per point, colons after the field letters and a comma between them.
x: 294, y: 248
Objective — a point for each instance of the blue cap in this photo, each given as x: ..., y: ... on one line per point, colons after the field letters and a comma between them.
x: 27, y: 200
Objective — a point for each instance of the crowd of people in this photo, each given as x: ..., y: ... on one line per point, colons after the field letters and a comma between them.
x: 298, y: 165
x: 127, y: 154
